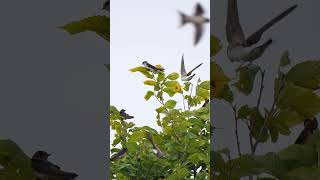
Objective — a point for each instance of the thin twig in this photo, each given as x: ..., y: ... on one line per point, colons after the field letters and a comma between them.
x: 236, y: 129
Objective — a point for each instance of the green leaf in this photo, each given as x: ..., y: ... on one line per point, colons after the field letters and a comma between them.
x: 202, y: 92
x: 305, y: 173
x: 285, y: 60
x: 160, y: 109
x: 186, y: 86
x: 161, y: 77
x: 169, y: 91
x: 150, y: 82
x: 244, y: 112
x: 173, y: 76
x: 299, y: 99
x: 170, y: 104
x: 148, y: 95
x: 305, y: 74
x: 215, y: 45
x: 142, y: 70
x: 247, y: 77
x: 172, y: 83
x: 97, y: 24
x: 205, y: 85
x: 219, y: 87
x: 16, y: 164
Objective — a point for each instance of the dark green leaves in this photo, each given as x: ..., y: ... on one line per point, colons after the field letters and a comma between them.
x: 97, y: 24
x: 16, y: 164
x: 247, y: 77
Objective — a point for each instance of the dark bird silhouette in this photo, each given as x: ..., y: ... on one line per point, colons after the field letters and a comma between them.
x: 152, y: 68
x: 43, y: 169
x: 106, y: 5
x: 310, y: 125
x: 239, y: 47
x: 119, y: 154
x: 124, y: 115
x: 197, y: 19
x: 206, y: 102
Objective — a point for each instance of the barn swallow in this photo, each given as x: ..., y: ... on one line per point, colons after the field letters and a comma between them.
x: 152, y: 68
x: 119, y: 154
x: 239, y: 48
x: 124, y: 115
x: 184, y: 75
x: 198, y: 20
x: 159, y: 153
x: 43, y: 169
x: 106, y: 5
x: 310, y: 124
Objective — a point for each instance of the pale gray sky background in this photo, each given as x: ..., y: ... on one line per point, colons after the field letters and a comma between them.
x: 53, y: 86
x: 149, y: 30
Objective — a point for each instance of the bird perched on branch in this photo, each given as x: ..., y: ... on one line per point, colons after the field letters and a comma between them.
x: 43, y: 169
x: 184, y: 75
x: 198, y: 20
x: 124, y: 115
x: 159, y: 153
x: 310, y: 124
x: 119, y: 154
x: 239, y: 46
x: 152, y: 68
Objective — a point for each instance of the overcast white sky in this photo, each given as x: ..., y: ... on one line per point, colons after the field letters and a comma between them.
x: 149, y: 30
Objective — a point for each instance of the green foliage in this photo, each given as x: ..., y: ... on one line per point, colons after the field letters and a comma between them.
x: 16, y: 164
x: 294, y: 100
x: 97, y: 24
x: 183, y: 138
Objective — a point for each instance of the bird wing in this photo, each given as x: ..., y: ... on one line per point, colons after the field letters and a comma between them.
x: 190, y: 72
x: 198, y: 10
x: 198, y: 33
x: 256, y: 36
x: 182, y: 69
x: 233, y: 28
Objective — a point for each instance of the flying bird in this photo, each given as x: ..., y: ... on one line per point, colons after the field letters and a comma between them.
x: 43, y: 169
x: 184, y: 75
x: 159, y: 153
x: 124, y: 115
x: 197, y: 19
x: 119, y: 154
x: 310, y: 124
x: 239, y: 48
x: 106, y: 5
x: 152, y: 68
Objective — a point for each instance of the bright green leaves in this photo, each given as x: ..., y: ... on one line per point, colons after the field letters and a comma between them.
x: 142, y: 70
x: 173, y: 76
x: 305, y: 74
x: 150, y: 82
x: 215, y: 45
x: 219, y: 83
x: 204, y: 93
x: 170, y: 104
x: 148, y: 95
x: 97, y: 24
x: 247, y: 77
x: 16, y: 164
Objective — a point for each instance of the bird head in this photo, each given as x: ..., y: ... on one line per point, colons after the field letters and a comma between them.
x: 311, y: 123
x: 122, y: 111
x: 41, y: 155
x: 144, y: 62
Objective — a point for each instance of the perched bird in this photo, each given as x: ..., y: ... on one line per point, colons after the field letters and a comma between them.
x: 152, y: 68
x: 184, y: 75
x: 159, y: 153
x: 239, y: 48
x: 106, y: 5
x: 43, y: 169
x: 119, y: 154
x: 124, y: 115
x: 198, y: 20
x: 310, y: 124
